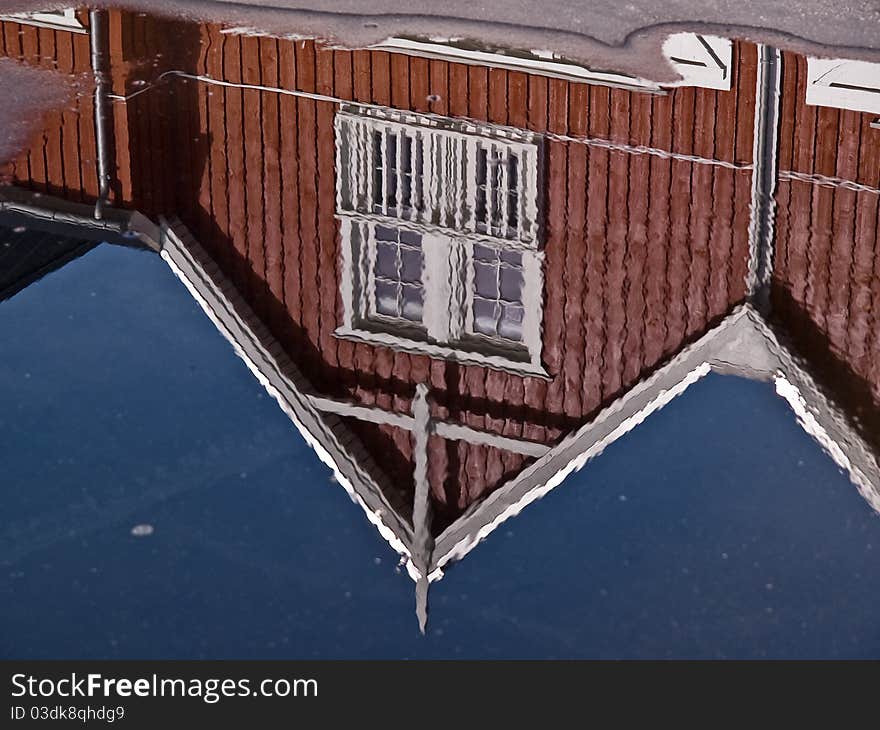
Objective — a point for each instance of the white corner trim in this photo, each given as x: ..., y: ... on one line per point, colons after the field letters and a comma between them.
x: 836, y: 438
x: 843, y: 84
x: 58, y: 20
x: 702, y: 60
x: 460, y: 549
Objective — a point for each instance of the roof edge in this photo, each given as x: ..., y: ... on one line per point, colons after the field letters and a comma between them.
x: 327, y: 435
x: 742, y: 344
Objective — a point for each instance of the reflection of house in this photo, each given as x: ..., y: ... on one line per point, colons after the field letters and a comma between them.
x: 462, y: 282
x: 27, y: 256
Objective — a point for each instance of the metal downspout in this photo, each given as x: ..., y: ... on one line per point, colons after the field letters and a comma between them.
x: 101, y: 71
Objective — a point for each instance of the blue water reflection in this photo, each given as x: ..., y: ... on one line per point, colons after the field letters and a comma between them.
x: 717, y: 528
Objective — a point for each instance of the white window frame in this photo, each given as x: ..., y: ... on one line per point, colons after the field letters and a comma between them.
x: 449, y: 157
x: 447, y: 319
x: 707, y: 61
x: 57, y: 20
x: 843, y: 84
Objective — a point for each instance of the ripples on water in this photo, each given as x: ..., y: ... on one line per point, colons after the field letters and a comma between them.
x: 459, y: 275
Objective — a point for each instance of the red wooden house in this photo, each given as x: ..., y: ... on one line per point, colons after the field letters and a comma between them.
x: 463, y: 273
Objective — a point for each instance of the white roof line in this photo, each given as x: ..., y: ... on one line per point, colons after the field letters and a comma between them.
x: 743, y: 344
x: 265, y: 359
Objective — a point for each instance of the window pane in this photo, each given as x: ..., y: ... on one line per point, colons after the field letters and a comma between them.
x: 511, y: 283
x: 513, y: 192
x: 378, y: 174
x: 486, y: 280
x: 397, y: 271
x: 499, y: 281
x: 384, y: 233
x: 407, y: 171
x: 511, y: 322
x: 482, y: 168
x: 484, y: 253
x: 486, y: 317
x: 386, y: 260
x: 410, y: 238
x: 386, y: 298
x: 511, y: 257
x: 411, y: 265
x: 412, y: 303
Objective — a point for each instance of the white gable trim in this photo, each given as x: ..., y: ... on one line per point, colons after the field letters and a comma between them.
x: 844, y: 84
x: 703, y: 61
x: 743, y: 344
x: 265, y: 358
x: 57, y: 20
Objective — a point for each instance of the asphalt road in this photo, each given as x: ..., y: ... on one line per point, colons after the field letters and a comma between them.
x: 606, y: 34
x: 625, y: 36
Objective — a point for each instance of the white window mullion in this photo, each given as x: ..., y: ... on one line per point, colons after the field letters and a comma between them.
x: 430, y: 141
x: 398, y: 198
x: 436, y: 277
x: 490, y: 189
x: 367, y: 303
x: 362, y: 171
x: 412, y: 202
x: 437, y: 188
x: 533, y: 291
x: 471, y: 155
x: 384, y: 167
x: 528, y: 175
x: 421, y: 171
x: 504, y: 154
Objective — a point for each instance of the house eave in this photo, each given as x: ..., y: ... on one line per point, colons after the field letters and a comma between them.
x: 743, y: 344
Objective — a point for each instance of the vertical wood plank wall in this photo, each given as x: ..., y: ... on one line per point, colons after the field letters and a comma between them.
x: 826, y: 270
x: 61, y: 159
x: 642, y: 252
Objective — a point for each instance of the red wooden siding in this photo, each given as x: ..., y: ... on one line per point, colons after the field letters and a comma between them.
x: 826, y: 277
x: 642, y: 252
x: 62, y: 158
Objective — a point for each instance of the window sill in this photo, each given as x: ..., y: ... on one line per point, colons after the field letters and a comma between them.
x: 445, y: 352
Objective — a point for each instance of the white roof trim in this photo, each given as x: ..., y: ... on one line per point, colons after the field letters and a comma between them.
x: 575, y: 450
x: 56, y: 20
x: 843, y: 84
x: 743, y: 344
x: 267, y: 361
x: 701, y: 60
x: 545, y: 63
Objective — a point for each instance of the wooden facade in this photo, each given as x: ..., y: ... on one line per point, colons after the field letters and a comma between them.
x: 644, y: 250
x: 826, y: 275
x: 62, y: 159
